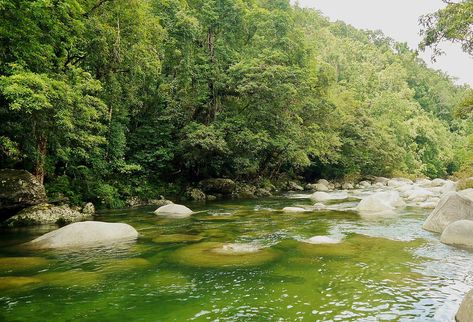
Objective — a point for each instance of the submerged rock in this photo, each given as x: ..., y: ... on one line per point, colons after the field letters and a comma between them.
x: 174, y: 210
x: 458, y: 233
x: 322, y: 240
x: 15, y: 264
x: 381, y: 202
x: 125, y: 265
x: 19, y: 189
x: 170, y: 282
x: 452, y: 207
x: 15, y: 282
x: 294, y: 209
x: 46, y: 214
x: 465, y: 312
x: 85, y: 234
x: 220, y: 255
x: 72, y: 278
x: 232, y: 249
x: 178, y: 238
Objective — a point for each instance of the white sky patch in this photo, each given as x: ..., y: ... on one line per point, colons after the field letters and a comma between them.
x: 400, y: 21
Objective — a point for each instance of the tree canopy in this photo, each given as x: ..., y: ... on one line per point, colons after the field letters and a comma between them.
x: 106, y: 99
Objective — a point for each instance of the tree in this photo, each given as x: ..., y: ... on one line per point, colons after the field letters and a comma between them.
x: 453, y: 23
x: 59, y: 113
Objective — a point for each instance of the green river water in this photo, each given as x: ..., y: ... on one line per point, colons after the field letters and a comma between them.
x: 384, y: 269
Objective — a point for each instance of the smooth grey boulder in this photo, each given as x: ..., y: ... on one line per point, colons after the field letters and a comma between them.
x: 348, y: 186
x: 451, y: 207
x: 465, y: 312
x: 85, y: 234
x: 46, y: 214
x: 320, y: 196
x: 380, y: 202
x: 324, y: 182
x: 174, y: 210
x: 19, y: 189
x: 467, y: 193
x: 458, y: 233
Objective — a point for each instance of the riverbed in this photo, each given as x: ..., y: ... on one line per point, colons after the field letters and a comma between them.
x: 383, y: 268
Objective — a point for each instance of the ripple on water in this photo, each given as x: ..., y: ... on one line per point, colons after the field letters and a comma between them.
x: 250, y: 265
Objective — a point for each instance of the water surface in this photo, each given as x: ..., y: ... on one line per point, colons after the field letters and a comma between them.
x: 384, y: 269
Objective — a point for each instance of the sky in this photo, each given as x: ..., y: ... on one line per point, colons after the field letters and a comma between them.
x: 399, y: 20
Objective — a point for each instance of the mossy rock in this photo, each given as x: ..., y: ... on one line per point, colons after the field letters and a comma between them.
x: 216, y: 218
x: 16, y: 282
x: 125, y: 265
x: 15, y: 264
x: 169, y: 283
x: 72, y: 278
x: 177, y: 238
x: 214, y: 255
x: 217, y: 233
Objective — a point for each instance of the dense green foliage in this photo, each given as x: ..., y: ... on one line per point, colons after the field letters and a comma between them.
x: 454, y: 23
x: 113, y: 98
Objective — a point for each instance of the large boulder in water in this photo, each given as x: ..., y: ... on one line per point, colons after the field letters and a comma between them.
x: 174, y: 210
x: 381, y: 202
x: 218, y: 186
x: 46, y: 214
x: 467, y: 193
x: 465, y: 312
x: 19, y: 189
x: 83, y: 234
x: 459, y: 233
x: 320, y: 196
x: 452, y: 207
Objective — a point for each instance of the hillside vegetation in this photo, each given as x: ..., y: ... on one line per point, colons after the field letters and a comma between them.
x: 109, y: 99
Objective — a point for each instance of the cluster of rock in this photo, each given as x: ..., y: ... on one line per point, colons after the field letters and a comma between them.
x: 134, y: 202
x: 218, y: 188
x: 23, y: 202
x: 453, y: 219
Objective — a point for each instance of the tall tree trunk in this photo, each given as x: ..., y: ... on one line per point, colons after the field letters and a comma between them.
x: 41, y: 158
x: 213, y: 104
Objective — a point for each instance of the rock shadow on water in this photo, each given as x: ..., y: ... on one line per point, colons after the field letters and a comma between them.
x: 223, y: 255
